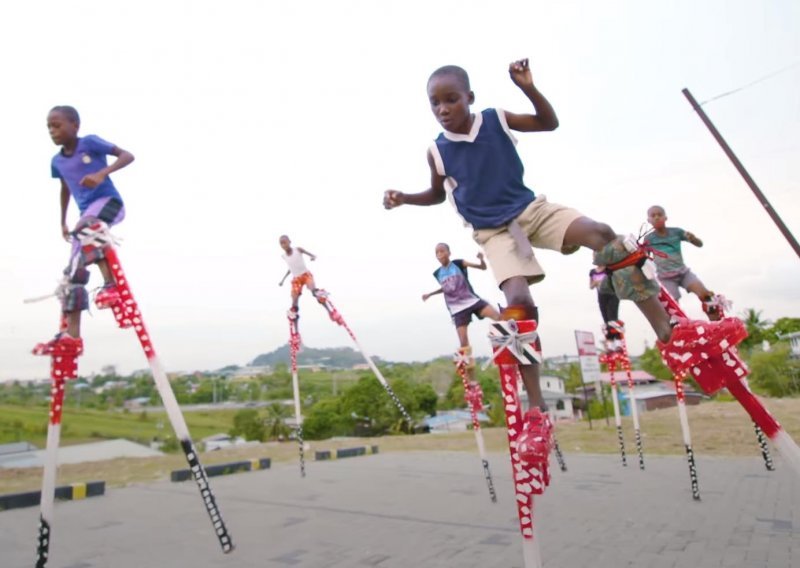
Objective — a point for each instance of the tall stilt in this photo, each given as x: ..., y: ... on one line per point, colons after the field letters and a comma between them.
x: 514, y: 343
x: 474, y: 399
x: 626, y: 365
x: 687, y: 435
x: 294, y: 347
x: 127, y: 314
x: 611, y: 361
x: 63, y: 366
x: 324, y: 299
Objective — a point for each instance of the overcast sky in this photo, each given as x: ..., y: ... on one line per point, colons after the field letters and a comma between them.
x: 250, y: 119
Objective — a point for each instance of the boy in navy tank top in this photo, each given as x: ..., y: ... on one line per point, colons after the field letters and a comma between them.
x: 475, y: 165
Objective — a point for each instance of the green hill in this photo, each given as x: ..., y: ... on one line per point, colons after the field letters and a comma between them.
x: 331, y: 357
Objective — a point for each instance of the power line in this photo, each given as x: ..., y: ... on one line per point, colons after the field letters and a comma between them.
x: 759, y: 80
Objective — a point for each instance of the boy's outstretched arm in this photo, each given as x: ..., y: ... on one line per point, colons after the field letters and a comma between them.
x: 481, y: 266
x: 693, y: 239
x: 288, y: 272
x: 304, y: 251
x: 123, y: 159
x: 545, y: 118
x: 431, y: 196
x: 428, y: 295
x: 64, y: 205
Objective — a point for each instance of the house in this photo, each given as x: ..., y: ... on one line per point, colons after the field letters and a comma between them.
x: 452, y: 421
x: 794, y: 342
x: 555, y: 395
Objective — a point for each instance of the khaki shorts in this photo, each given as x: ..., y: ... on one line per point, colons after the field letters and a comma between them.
x: 544, y: 224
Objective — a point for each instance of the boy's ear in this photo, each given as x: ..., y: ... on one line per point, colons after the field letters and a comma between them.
x: 471, y: 98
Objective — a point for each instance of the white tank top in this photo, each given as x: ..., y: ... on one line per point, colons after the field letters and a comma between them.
x: 297, y: 265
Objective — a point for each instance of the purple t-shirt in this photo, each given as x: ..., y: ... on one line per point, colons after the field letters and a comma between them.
x: 458, y: 293
x: 88, y: 158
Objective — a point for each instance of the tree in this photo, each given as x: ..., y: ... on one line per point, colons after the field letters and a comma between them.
x: 651, y: 362
x: 755, y: 325
x: 248, y: 424
x: 774, y: 372
x: 327, y: 419
x: 275, y: 423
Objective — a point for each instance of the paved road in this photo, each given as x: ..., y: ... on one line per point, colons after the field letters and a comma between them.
x: 432, y: 510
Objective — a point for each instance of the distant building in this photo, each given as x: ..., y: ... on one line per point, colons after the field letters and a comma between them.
x: 555, y: 395
x: 250, y: 371
x: 794, y: 342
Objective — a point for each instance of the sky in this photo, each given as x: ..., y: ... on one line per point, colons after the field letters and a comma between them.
x: 251, y: 119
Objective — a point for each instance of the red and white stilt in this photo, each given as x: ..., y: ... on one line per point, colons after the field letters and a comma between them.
x: 127, y: 314
x: 473, y: 395
x: 610, y: 359
x: 625, y: 361
x: 512, y: 343
x: 63, y: 366
x: 324, y: 299
x: 714, y: 363
x: 294, y: 347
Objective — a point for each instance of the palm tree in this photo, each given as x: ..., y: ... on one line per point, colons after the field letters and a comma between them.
x: 755, y: 327
x: 277, y: 414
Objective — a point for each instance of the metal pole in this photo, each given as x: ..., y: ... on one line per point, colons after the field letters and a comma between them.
x: 743, y: 172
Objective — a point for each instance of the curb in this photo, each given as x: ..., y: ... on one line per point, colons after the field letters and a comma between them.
x: 223, y: 469
x: 345, y: 453
x: 72, y: 492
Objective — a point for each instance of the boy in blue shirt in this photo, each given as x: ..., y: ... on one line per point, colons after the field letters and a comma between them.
x: 83, y: 171
x: 460, y: 298
x: 672, y: 272
x: 475, y: 165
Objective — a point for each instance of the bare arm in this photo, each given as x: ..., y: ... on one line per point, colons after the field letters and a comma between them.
x: 481, y: 266
x: 288, y: 272
x: 544, y: 118
x: 64, y: 205
x: 693, y: 239
x: 304, y: 251
x: 429, y: 294
x: 123, y: 159
x: 434, y: 195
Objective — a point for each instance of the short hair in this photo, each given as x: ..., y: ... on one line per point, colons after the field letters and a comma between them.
x: 664, y: 211
x: 454, y: 70
x: 69, y: 112
x: 445, y: 245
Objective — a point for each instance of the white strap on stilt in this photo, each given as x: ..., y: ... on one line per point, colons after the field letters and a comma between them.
x: 460, y: 358
x: 97, y: 234
x: 61, y: 291
x: 506, y: 335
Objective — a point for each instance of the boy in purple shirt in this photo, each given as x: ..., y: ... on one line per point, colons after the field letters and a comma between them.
x: 83, y: 170
x: 460, y: 298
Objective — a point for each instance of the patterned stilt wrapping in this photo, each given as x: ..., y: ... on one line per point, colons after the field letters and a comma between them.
x: 610, y: 359
x: 63, y: 366
x: 559, y: 456
x: 333, y: 313
x: 625, y: 361
x: 126, y: 313
x: 528, y: 480
x: 473, y: 395
x: 717, y: 365
x: 294, y: 347
x: 762, y: 443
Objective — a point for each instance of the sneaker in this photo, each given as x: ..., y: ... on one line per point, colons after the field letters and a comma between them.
x: 61, y: 344
x: 535, y: 442
x: 107, y: 297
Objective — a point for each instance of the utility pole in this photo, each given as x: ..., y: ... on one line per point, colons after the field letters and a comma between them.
x: 743, y: 172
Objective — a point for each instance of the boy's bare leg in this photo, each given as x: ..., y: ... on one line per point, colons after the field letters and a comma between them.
x: 463, y: 337
x: 74, y: 324
x: 108, y: 277
x: 518, y: 294
x: 491, y: 313
x: 591, y: 234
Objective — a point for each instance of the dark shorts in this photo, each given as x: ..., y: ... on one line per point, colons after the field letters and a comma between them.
x: 465, y: 316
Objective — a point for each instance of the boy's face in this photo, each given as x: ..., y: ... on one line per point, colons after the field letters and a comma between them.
x: 61, y: 129
x: 443, y: 254
x: 657, y: 217
x: 450, y: 102
x: 286, y: 244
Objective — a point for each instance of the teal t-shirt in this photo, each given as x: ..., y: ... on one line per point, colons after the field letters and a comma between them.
x: 671, y: 265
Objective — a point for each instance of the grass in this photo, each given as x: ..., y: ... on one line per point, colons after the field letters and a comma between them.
x: 718, y: 429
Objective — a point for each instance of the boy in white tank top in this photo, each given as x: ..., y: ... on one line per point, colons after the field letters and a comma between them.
x: 297, y: 268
